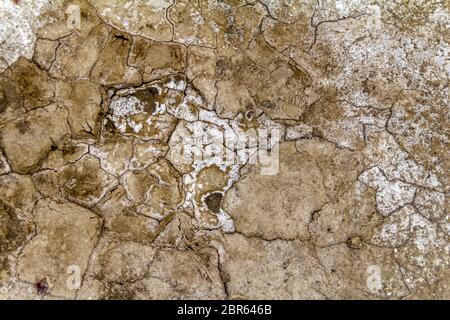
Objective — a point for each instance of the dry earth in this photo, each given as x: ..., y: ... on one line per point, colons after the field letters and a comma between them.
x: 97, y: 200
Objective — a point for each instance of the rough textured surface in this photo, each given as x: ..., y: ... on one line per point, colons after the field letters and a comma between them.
x: 113, y: 183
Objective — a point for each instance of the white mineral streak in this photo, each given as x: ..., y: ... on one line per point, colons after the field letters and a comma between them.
x: 18, y: 23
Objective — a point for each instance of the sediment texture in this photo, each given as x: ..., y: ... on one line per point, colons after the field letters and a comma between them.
x: 97, y: 198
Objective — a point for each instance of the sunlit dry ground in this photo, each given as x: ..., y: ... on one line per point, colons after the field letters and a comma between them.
x: 98, y: 200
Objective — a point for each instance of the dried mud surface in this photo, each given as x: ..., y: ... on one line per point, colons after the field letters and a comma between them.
x: 97, y: 201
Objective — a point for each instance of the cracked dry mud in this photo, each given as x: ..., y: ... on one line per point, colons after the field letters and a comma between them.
x: 92, y: 173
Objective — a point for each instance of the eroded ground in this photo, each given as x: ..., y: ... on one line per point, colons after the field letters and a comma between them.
x: 97, y: 200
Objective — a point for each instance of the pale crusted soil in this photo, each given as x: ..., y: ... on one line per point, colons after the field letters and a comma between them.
x: 92, y: 129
